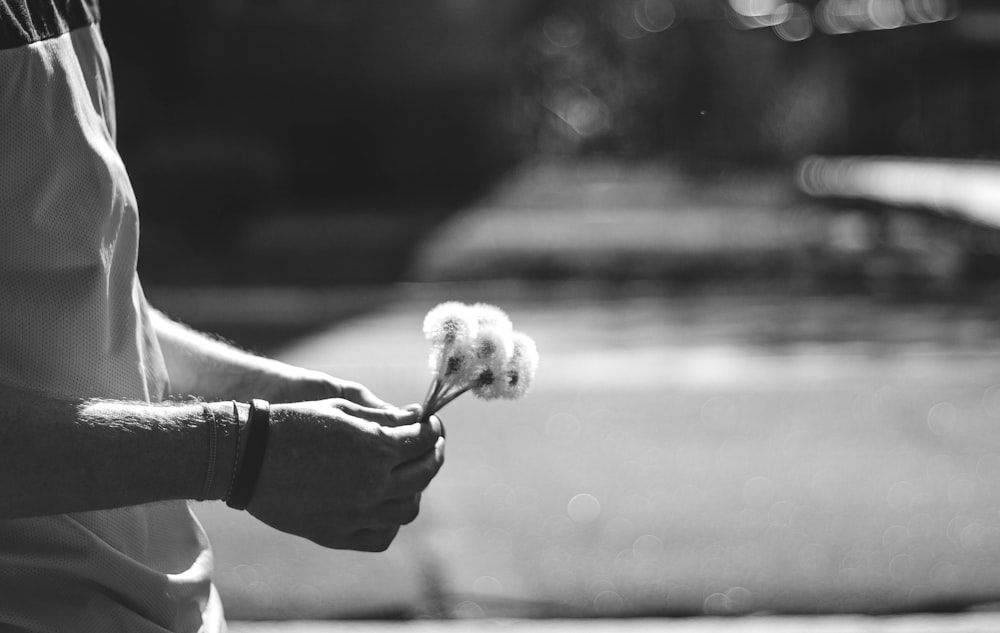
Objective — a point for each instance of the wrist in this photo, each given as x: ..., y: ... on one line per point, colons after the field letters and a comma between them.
x: 230, y: 418
x: 279, y: 382
x: 250, y: 455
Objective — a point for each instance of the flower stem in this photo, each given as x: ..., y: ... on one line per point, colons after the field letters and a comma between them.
x: 431, y: 390
x: 447, y: 398
x: 430, y: 406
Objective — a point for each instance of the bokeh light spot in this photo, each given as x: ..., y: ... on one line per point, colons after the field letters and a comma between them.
x: 755, y: 8
x: 563, y: 426
x: 564, y: 29
x: 886, y: 14
x: 991, y: 401
x: 583, y: 508
x: 624, y: 20
x: 487, y: 585
x: 467, y: 610
x: 794, y: 22
x: 895, y: 538
x: 648, y: 545
x: 902, y: 567
x: 655, y: 16
x: 941, y: 418
x: 717, y: 604
x: 609, y: 602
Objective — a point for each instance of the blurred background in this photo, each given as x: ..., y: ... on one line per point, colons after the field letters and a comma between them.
x: 755, y: 241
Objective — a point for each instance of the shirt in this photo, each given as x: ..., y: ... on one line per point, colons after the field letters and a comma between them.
x: 74, y: 322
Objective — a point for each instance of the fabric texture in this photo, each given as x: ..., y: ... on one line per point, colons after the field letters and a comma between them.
x: 74, y: 321
x: 26, y: 21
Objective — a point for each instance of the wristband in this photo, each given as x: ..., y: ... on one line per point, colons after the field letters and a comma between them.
x: 250, y: 459
x: 213, y: 447
x: 238, y: 425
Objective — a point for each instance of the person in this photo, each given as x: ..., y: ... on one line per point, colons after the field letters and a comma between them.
x: 113, y: 416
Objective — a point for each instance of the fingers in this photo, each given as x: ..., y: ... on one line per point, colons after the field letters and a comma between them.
x: 412, y: 477
x: 353, y: 474
x: 362, y: 395
x: 416, y: 439
x: 383, y: 416
x: 401, y: 426
x: 398, y: 512
x: 374, y: 540
x: 366, y: 540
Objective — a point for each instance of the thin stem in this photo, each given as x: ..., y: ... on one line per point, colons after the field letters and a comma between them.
x: 431, y: 388
x: 447, y: 398
x: 429, y: 403
x: 446, y: 387
x: 446, y: 391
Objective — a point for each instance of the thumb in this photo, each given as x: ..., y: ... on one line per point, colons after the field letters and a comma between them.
x: 400, y: 417
x: 419, y: 409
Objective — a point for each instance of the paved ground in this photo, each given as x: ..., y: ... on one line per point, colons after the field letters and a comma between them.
x: 717, y: 455
x: 973, y: 623
x: 705, y: 453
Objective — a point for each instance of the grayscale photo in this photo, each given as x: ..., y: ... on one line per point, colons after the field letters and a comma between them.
x: 539, y: 316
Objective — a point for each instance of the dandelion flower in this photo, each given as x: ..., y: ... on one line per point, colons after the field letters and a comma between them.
x: 493, y: 348
x: 488, y: 315
x: 453, y: 364
x: 493, y: 345
x: 450, y: 323
x: 520, y: 370
x: 475, y: 348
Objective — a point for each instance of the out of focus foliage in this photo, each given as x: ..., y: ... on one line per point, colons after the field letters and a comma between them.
x: 755, y: 80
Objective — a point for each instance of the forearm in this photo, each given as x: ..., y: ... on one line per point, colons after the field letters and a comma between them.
x: 61, y: 455
x: 207, y: 368
x: 202, y: 366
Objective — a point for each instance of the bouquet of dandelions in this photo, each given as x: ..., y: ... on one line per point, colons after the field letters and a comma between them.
x: 475, y: 348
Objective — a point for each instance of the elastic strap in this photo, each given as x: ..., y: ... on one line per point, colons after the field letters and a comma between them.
x: 240, y: 425
x: 249, y: 460
x: 213, y: 447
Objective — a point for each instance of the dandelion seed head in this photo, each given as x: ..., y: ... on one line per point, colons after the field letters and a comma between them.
x: 486, y: 349
x: 493, y: 348
x: 514, y: 386
x: 475, y: 348
x: 486, y: 377
x: 524, y: 351
x: 435, y: 359
x: 453, y: 365
x: 450, y: 323
x: 488, y: 386
x: 520, y: 370
x: 488, y: 315
x: 493, y: 345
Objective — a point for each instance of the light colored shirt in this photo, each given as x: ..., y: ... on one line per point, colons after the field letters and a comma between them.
x: 73, y: 321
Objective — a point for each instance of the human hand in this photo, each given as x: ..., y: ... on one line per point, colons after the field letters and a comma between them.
x: 344, y: 475
x: 281, y: 382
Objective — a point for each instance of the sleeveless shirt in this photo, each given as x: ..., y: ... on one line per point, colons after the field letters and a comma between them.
x: 74, y: 322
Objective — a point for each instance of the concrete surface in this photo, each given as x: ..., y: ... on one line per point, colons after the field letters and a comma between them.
x: 677, y: 456
x: 968, y: 623
x: 700, y: 454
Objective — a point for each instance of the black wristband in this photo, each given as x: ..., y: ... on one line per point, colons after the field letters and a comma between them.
x: 252, y: 456
x: 213, y: 449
